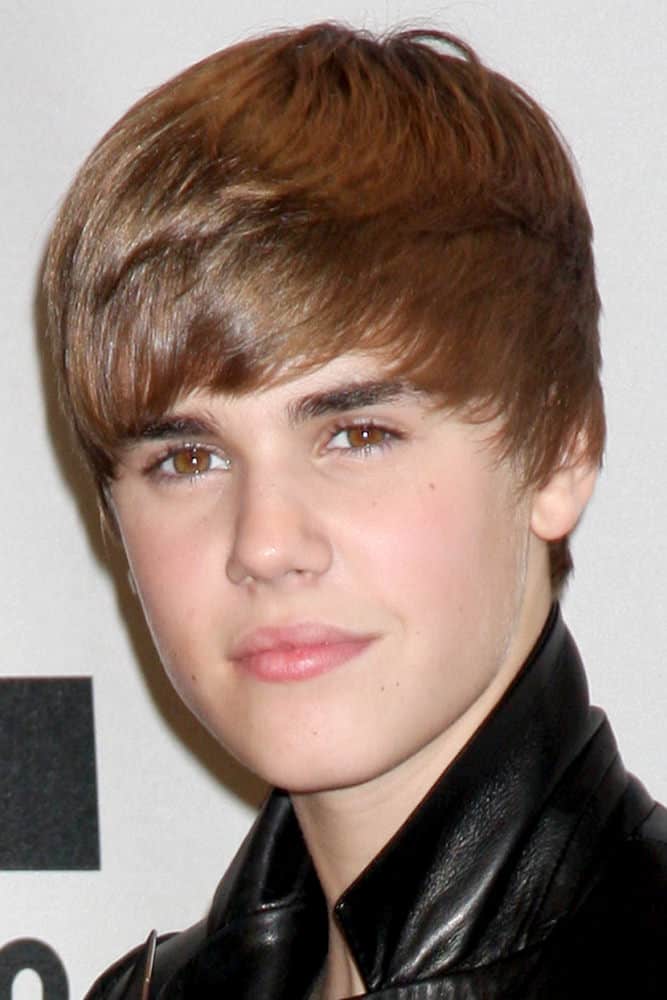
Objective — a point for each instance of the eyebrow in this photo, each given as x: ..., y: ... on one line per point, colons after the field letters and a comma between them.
x: 349, y: 397
x: 338, y: 399
x: 169, y: 428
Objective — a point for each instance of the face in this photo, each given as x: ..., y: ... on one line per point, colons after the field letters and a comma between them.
x: 339, y: 577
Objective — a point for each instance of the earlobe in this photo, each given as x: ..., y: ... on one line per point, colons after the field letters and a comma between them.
x: 558, y: 505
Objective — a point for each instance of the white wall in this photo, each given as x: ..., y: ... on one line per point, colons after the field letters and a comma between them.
x: 171, y: 814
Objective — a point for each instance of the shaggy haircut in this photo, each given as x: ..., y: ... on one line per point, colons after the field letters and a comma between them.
x: 322, y: 190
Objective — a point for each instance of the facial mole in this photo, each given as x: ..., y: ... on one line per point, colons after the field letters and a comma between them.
x: 431, y: 486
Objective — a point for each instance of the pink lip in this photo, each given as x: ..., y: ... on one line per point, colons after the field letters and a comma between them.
x: 297, y: 652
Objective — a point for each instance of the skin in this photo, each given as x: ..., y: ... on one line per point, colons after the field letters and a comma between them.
x: 383, y: 516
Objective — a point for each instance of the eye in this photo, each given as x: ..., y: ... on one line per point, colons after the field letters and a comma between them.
x: 190, y: 461
x: 361, y: 437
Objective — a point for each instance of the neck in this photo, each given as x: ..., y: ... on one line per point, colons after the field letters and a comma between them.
x: 345, y: 829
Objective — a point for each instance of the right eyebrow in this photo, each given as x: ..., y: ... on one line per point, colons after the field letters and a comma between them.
x: 171, y: 428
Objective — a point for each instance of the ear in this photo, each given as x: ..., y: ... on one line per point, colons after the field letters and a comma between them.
x: 558, y: 505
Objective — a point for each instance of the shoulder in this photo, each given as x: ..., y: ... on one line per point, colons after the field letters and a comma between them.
x: 634, y: 887
x: 158, y: 959
x: 636, y: 877
x: 112, y: 983
x: 628, y: 904
x: 244, y: 896
x: 615, y: 942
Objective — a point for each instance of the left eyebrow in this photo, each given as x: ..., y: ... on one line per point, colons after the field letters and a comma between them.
x: 349, y: 397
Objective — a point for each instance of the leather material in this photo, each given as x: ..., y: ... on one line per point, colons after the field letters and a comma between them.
x: 139, y: 982
x: 535, y: 868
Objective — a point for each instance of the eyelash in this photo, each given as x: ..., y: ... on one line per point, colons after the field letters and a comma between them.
x: 390, y: 437
x: 155, y: 468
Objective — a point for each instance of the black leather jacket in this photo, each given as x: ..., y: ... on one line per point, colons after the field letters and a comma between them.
x: 535, y: 868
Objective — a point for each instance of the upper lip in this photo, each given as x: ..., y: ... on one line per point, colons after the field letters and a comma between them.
x: 261, y: 640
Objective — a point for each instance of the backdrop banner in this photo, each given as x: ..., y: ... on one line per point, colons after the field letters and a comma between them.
x: 118, y: 813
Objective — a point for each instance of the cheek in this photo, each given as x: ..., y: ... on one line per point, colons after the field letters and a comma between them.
x: 173, y: 571
x: 435, y: 549
x: 423, y: 532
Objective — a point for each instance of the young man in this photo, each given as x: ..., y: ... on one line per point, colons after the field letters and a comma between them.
x: 325, y: 317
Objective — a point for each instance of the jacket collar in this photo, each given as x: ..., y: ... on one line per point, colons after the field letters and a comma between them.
x: 424, y: 905
x: 484, y: 866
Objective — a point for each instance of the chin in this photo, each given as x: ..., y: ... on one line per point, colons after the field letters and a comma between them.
x: 306, y: 772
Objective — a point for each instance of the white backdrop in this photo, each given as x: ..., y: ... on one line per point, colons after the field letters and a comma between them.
x: 172, y: 808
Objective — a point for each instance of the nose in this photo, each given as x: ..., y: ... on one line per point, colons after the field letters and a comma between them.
x: 278, y: 534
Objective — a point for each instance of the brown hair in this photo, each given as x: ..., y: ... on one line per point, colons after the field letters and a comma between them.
x: 315, y: 191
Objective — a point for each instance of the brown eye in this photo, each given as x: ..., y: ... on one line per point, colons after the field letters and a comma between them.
x: 191, y: 461
x: 363, y: 439
x: 365, y: 436
x: 187, y: 462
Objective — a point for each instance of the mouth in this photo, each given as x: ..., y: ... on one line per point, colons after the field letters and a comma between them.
x: 297, y: 652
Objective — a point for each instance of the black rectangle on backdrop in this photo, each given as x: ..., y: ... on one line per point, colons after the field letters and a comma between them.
x: 48, y: 785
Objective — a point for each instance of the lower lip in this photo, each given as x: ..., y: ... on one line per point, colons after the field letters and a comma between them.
x: 300, y: 663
